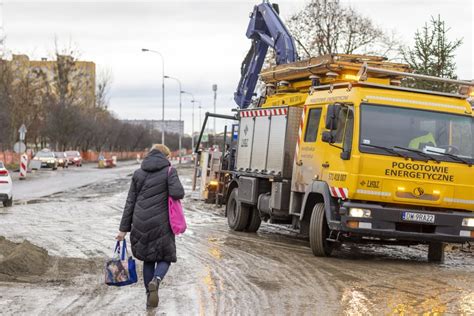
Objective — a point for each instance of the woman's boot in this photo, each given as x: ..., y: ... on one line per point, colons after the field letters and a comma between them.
x: 153, y: 299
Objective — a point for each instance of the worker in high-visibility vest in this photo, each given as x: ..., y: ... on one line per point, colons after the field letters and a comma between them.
x: 427, y: 139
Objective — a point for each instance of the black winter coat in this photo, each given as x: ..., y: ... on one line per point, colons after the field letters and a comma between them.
x: 146, y: 210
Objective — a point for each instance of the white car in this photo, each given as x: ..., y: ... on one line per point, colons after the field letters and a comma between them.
x: 5, y: 186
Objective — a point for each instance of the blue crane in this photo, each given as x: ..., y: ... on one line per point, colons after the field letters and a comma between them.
x: 265, y: 29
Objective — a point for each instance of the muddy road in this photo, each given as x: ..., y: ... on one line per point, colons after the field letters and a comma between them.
x: 219, y: 272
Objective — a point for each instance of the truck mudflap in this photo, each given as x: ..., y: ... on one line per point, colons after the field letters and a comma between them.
x: 384, y: 222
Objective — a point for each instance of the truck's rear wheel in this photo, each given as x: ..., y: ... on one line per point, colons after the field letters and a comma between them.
x: 237, y: 216
x: 436, y: 252
x: 319, y: 232
x: 254, y: 220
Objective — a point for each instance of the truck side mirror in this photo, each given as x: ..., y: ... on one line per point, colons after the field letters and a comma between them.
x: 327, y: 137
x: 332, y: 115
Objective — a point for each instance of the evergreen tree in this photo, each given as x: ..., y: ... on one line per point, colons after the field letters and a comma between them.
x: 433, y: 55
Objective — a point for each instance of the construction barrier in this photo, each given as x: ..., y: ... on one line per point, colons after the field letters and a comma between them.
x: 12, y: 158
x: 23, y: 166
x: 9, y: 157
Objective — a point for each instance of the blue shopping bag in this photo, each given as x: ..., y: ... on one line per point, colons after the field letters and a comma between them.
x: 121, y: 269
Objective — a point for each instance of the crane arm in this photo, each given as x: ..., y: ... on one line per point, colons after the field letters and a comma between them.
x: 265, y: 29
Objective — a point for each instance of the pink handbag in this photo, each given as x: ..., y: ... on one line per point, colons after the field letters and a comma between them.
x: 176, y: 214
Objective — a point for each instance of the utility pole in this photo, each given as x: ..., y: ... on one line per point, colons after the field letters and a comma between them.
x: 192, y: 120
x: 180, y: 107
x: 200, y: 118
x: 214, y: 88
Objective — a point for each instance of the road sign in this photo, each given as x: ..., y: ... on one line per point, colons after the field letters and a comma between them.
x: 205, y: 138
x: 19, y: 147
x: 22, y: 132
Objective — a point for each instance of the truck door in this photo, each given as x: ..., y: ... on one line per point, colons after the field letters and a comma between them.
x: 306, y: 166
x: 336, y: 163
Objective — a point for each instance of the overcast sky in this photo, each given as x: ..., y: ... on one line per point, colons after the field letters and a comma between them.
x: 203, y: 42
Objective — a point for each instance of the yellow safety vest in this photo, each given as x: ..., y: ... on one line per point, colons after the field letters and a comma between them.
x: 428, y: 138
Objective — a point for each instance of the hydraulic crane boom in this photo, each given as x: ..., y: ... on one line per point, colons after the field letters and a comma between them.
x: 265, y: 29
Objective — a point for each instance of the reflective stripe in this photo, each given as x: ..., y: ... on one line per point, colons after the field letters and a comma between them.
x: 342, y: 193
x: 370, y: 192
x: 408, y: 101
x: 264, y: 112
x: 459, y: 201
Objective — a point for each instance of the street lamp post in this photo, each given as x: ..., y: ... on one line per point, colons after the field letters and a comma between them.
x: 162, y: 92
x: 199, y: 107
x: 192, y: 119
x: 214, y: 89
x: 180, y: 106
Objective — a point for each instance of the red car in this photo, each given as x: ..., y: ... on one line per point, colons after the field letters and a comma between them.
x: 74, y: 158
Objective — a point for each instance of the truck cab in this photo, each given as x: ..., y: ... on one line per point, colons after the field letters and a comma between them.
x: 349, y: 155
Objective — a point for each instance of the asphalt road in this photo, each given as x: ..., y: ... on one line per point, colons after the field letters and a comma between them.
x: 45, y: 182
x: 75, y: 215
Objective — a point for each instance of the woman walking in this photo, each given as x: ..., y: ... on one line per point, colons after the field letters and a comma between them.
x: 146, y: 216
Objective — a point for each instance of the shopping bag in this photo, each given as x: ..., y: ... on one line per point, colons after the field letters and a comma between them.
x: 121, y: 269
x: 176, y: 214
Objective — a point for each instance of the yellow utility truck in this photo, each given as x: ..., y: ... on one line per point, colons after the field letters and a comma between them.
x: 338, y: 148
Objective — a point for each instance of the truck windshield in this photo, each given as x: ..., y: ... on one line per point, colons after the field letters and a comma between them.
x: 444, y: 136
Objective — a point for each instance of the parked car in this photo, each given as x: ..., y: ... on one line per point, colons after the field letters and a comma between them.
x: 61, y: 157
x: 6, y: 186
x: 47, y: 158
x: 74, y: 157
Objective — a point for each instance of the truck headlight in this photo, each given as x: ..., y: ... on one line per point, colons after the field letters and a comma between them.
x: 469, y: 222
x: 359, y: 212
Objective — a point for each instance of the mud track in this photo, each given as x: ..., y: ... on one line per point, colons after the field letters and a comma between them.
x: 220, y: 272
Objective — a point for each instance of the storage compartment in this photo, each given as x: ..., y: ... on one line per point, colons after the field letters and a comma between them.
x: 267, y: 140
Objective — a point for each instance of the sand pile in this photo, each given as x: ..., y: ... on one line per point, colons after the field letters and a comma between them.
x: 25, y: 262
x: 23, y: 259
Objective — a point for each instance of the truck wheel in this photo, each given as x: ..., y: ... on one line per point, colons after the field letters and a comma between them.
x: 254, y: 220
x: 318, y: 232
x: 237, y: 216
x: 436, y: 252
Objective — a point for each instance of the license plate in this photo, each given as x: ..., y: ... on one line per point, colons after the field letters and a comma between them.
x: 418, y: 217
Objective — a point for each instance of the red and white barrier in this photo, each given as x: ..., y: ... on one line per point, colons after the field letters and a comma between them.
x: 264, y: 112
x: 23, y: 166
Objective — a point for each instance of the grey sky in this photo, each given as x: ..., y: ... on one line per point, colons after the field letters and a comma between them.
x: 203, y: 42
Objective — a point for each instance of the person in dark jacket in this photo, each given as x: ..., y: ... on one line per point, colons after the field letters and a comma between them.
x: 146, y: 217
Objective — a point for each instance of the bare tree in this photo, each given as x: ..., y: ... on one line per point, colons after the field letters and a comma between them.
x: 6, y: 136
x: 52, y: 104
x: 66, y: 100
x: 23, y: 93
x: 102, y: 94
x: 327, y: 27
